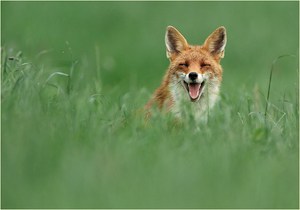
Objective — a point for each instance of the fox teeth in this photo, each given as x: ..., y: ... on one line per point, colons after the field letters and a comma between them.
x: 194, y: 90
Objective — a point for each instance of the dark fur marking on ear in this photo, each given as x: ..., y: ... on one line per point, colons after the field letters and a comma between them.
x: 172, y: 42
x: 219, y: 43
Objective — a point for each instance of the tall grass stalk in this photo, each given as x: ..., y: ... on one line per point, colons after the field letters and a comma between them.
x: 270, y: 81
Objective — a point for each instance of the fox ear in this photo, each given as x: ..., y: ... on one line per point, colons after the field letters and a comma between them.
x: 216, y: 42
x: 175, y: 41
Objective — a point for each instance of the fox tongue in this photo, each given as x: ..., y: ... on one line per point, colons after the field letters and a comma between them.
x: 194, y: 89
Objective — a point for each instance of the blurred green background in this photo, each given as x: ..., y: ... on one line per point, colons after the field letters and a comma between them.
x: 130, y: 35
x: 76, y: 143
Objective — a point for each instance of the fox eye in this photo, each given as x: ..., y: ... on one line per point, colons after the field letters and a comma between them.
x: 205, y: 65
x: 183, y: 65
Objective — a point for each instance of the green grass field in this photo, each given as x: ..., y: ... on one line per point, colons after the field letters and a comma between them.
x: 75, y: 74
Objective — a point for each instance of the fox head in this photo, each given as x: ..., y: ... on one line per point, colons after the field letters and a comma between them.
x: 195, y: 68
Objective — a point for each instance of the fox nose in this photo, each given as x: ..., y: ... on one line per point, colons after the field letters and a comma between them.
x: 193, y: 76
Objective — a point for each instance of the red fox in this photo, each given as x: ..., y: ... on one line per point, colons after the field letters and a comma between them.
x: 194, y: 75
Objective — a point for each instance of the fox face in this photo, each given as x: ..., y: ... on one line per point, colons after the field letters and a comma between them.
x: 194, y: 75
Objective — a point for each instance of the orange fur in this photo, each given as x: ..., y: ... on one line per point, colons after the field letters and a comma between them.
x: 184, y: 58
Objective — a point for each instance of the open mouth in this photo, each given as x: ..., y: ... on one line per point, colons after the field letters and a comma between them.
x: 194, y: 90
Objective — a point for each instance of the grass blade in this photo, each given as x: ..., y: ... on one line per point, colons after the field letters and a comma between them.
x: 270, y: 80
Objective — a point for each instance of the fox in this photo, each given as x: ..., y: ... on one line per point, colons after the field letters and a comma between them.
x: 191, y: 84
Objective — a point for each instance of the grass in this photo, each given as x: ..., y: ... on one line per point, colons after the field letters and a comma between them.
x: 72, y: 134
